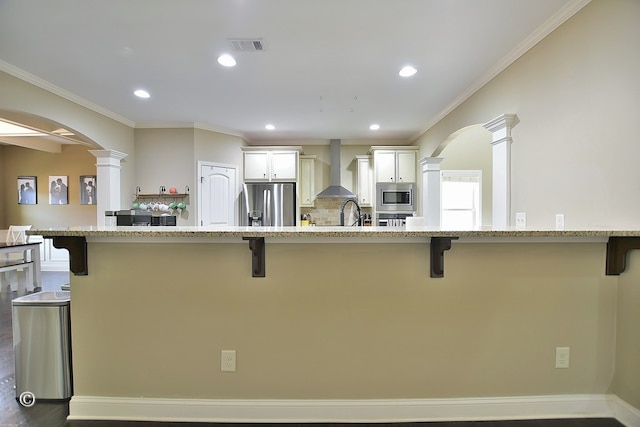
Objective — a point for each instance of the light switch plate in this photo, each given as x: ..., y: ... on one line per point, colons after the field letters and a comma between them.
x: 521, y: 220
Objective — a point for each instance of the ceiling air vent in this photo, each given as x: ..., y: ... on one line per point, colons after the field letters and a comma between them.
x: 247, y: 45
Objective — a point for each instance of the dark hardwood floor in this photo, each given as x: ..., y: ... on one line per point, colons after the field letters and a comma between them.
x: 49, y: 414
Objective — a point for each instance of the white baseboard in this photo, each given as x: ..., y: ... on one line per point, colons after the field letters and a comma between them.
x: 57, y: 266
x: 625, y: 413
x: 375, y: 410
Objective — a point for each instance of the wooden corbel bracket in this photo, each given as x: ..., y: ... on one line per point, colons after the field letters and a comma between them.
x: 617, y: 248
x: 77, y: 247
x: 256, y: 244
x: 438, y: 246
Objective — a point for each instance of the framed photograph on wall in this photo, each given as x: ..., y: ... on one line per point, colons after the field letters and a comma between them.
x: 58, y: 190
x: 27, y: 190
x: 88, y: 186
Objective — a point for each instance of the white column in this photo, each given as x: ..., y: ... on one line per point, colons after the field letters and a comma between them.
x: 500, y: 127
x: 108, y: 185
x: 430, y: 167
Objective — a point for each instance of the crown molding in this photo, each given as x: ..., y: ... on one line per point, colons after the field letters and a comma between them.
x: 49, y: 87
x: 543, y: 31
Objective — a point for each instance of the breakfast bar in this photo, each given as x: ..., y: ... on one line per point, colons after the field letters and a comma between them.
x: 342, y: 323
x: 619, y: 242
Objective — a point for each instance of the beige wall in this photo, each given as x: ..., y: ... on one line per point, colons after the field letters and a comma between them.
x: 73, y: 161
x: 165, y: 157
x: 627, y: 379
x: 576, y: 94
x: 217, y: 147
x: 333, y: 321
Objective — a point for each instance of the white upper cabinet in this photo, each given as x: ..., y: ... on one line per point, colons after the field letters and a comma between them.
x: 365, y: 181
x: 385, y: 164
x: 394, y: 165
x: 307, y: 181
x: 256, y: 166
x: 406, y: 166
x: 270, y: 165
x: 284, y: 165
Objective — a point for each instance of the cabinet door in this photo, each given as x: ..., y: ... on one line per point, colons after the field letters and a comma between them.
x: 365, y: 186
x: 406, y: 171
x: 307, y: 187
x: 385, y: 166
x: 284, y: 166
x: 256, y: 166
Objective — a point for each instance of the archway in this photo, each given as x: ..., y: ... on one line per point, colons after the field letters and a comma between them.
x: 500, y: 130
x: 469, y: 149
x: 45, y: 134
x: 35, y: 132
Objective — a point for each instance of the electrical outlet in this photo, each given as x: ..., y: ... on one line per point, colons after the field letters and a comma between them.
x: 521, y: 220
x: 562, y: 357
x: 228, y: 360
x: 559, y: 221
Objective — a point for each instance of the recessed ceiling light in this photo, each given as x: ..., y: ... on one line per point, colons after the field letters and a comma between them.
x: 407, y: 71
x: 141, y: 93
x: 226, y: 60
x: 269, y: 127
x: 374, y: 126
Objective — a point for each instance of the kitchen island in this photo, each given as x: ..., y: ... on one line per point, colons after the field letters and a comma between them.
x: 349, y: 323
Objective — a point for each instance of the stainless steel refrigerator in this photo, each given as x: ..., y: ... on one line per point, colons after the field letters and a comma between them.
x: 268, y: 204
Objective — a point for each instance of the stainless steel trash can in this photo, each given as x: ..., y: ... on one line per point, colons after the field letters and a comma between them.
x: 42, y: 346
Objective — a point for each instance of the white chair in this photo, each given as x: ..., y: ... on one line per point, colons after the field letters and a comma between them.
x: 17, y: 234
x: 11, y: 267
x: 15, y: 261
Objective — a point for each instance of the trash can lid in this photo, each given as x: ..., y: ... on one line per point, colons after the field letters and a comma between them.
x: 44, y: 298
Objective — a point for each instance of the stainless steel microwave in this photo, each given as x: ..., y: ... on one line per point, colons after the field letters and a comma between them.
x: 395, y: 197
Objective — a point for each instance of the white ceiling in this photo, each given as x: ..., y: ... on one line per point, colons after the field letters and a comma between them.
x: 329, y: 68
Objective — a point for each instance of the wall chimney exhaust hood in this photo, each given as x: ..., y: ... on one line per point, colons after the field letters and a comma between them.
x: 335, y: 190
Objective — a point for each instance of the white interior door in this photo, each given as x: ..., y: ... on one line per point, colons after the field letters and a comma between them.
x: 218, y: 194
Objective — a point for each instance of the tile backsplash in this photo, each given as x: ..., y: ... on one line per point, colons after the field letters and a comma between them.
x: 327, y: 211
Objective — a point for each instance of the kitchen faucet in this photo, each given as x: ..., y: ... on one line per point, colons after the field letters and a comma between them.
x: 359, y: 221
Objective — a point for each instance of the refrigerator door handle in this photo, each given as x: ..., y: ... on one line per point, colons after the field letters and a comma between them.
x: 267, y: 208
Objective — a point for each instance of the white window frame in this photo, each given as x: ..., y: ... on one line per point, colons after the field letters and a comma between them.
x: 462, y: 176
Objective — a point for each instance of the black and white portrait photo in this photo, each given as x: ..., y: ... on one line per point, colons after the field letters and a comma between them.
x: 27, y: 190
x: 58, y: 194
x: 88, y: 190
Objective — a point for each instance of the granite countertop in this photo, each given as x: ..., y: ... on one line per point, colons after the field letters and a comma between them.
x: 310, y: 231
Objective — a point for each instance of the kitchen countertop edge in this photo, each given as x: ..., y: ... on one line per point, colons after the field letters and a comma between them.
x: 310, y: 232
